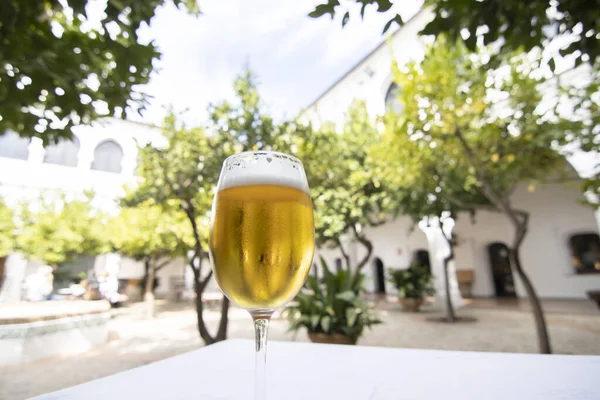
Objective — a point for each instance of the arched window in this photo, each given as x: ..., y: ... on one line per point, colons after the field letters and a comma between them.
x: 64, y: 152
x: 108, y: 157
x: 14, y: 146
x: 392, y: 102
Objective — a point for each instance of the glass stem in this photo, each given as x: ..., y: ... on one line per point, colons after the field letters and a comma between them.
x: 261, y: 327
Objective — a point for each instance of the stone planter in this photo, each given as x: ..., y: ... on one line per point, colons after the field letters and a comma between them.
x: 336, y: 338
x: 411, y: 304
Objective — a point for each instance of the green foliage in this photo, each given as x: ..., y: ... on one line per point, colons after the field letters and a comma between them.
x: 58, y: 65
x: 7, y: 229
x: 243, y: 125
x: 150, y: 232
x: 520, y: 25
x: 58, y: 231
x: 457, y: 143
x: 332, y: 305
x: 180, y: 175
x: 184, y: 173
x: 347, y: 196
x: 413, y: 282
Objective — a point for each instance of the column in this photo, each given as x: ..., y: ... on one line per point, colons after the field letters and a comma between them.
x: 15, y: 269
x: 438, y: 250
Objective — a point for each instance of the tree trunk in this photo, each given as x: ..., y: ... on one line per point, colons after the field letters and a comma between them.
x: 149, y: 289
x: 199, y: 289
x: 534, y: 301
x: 344, y: 254
x: 450, y: 314
x: 520, y: 221
x: 200, y: 284
x: 224, y: 322
x: 368, y: 245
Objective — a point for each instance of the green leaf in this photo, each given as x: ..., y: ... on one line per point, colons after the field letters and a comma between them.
x: 314, y: 321
x: 326, y: 324
x: 345, y: 19
x: 348, y: 296
x: 397, y: 19
x: 383, y: 5
x: 326, y: 270
x: 323, y: 9
x: 360, y: 303
x: 351, y: 316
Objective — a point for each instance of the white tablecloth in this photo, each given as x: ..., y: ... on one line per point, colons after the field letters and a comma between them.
x: 306, y: 371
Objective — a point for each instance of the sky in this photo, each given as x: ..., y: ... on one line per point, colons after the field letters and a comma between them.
x: 296, y: 58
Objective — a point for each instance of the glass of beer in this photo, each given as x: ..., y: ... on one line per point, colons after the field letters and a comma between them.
x: 261, y: 238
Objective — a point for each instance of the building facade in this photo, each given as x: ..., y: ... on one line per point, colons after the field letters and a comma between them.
x: 563, y: 233
x: 101, y: 157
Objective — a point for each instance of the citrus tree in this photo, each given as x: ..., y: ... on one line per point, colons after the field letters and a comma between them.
x: 487, y: 132
x: 67, y: 63
x: 184, y: 172
x: 59, y: 230
x: 347, y: 196
x: 412, y: 171
x: 153, y: 235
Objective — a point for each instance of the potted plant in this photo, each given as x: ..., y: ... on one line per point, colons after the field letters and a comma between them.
x: 331, y: 308
x: 413, y: 284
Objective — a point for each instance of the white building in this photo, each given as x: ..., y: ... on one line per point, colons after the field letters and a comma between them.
x: 102, y: 157
x: 559, y: 222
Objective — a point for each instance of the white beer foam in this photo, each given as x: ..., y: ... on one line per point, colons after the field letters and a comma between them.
x: 263, y: 168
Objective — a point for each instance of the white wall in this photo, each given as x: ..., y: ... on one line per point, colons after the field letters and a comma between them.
x: 556, y: 213
x: 371, y: 78
x: 26, y: 179
x: 394, y: 243
x: 174, y: 270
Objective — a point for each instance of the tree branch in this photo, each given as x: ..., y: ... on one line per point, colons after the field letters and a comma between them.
x: 497, y: 200
x: 161, y: 265
x: 365, y: 242
x: 191, y: 214
x: 343, y: 251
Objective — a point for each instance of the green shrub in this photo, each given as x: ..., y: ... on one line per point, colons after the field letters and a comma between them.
x: 413, y: 282
x: 332, y: 305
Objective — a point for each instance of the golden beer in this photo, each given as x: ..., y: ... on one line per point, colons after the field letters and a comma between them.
x: 261, y: 243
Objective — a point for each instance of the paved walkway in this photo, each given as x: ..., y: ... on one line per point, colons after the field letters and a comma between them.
x: 574, y: 329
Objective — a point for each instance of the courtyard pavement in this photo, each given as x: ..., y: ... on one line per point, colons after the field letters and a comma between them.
x: 499, y: 327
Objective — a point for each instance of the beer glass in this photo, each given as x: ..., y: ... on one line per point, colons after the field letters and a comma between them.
x: 261, y: 238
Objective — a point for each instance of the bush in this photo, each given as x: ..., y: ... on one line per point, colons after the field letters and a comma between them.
x: 413, y: 282
x: 332, y: 305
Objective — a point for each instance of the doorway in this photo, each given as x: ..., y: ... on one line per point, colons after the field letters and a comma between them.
x: 502, y: 273
x: 379, y: 276
x: 421, y: 257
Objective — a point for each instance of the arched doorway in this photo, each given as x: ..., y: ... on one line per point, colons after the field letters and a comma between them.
x: 500, y: 263
x: 338, y: 264
x: 379, y: 276
x: 421, y: 257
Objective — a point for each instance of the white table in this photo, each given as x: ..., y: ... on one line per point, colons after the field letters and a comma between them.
x: 306, y: 371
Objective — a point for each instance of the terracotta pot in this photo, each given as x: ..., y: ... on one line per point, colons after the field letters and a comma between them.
x: 411, y: 304
x: 336, y: 338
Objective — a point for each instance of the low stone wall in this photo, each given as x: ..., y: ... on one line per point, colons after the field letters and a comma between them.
x: 31, y: 341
